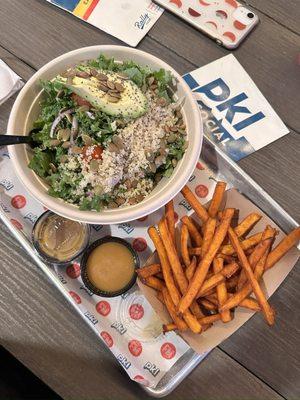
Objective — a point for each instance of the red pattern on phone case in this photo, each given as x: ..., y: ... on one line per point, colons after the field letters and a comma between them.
x: 193, y: 12
x: 178, y: 3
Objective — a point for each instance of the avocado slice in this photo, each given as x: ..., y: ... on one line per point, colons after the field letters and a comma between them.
x: 132, y: 103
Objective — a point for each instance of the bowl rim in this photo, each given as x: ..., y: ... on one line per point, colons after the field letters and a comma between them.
x: 129, y: 213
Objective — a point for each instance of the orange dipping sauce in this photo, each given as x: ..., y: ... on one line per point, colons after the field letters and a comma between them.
x: 110, y: 266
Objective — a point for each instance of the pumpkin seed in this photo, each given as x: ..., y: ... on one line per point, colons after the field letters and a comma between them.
x: 162, y: 102
x: 66, y: 145
x: 112, y: 204
x: 82, y: 74
x: 152, y: 168
x: 70, y: 80
x: 174, y: 162
x: 159, y: 160
x: 178, y: 113
x: 112, y: 99
x: 150, y: 156
x: 120, y: 201
x: 158, y: 177
x: 87, y: 139
x: 98, y: 190
x: 113, y: 94
x: 171, y: 138
x: 94, y: 165
x: 102, y: 77
x: 151, y: 80
x: 134, y: 183
x: 122, y: 76
x: 139, y: 198
x: 162, y: 144
x: 162, y: 151
x: 52, y: 167
x: 113, y: 148
x: 76, y: 150
x: 54, y: 142
x: 153, y: 87
x: 132, y: 201
x: 64, y: 134
x: 128, y: 184
x: 64, y: 158
x: 182, y: 126
x: 103, y: 88
x: 185, y: 145
x: 94, y: 72
x: 144, y: 88
x: 70, y: 73
x: 167, y: 128
x: 118, y: 142
x: 119, y: 87
x: 110, y: 85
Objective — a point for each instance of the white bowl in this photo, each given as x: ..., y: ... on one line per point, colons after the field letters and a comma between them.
x: 26, y: 109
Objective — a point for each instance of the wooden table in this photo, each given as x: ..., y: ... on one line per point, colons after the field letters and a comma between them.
x: 40, y: 328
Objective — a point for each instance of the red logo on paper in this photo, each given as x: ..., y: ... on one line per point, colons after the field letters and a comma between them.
x: 103, y: 308
x: 141, y: 379
x: 201, y: 191
x: 139, y: 244
x: 73, y: 271
x: 18, y: 201
x: 16, y: 224
x: 168, y: 350
x: 136, y: 311
x: 135, y: 347
x: 76, y: 297
x: 199, y: 166
x: 175, y: 216
x: 107, y: 338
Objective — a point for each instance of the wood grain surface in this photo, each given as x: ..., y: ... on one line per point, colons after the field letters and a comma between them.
x: 43, y: 332
x: 287, y: 13
x: 40, y: 328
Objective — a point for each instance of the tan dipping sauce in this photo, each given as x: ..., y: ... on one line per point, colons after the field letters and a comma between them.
x: 110, y: 267
x: 61, y: 238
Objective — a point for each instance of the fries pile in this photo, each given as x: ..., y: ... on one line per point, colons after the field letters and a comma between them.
x: 215, y: 268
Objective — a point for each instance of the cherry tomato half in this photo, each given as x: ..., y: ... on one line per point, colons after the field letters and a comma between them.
x: 96, y: 152
x: 80, y: 101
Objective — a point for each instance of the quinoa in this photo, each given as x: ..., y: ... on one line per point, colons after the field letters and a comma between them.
x: 100, y: 160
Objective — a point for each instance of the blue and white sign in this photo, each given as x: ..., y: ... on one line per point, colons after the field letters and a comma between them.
x: 236, y: 115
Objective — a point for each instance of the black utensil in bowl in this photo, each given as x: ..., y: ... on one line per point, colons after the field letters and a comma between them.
x: 7, y: 140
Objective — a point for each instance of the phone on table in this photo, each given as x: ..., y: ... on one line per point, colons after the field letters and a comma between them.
x: 228, y: 22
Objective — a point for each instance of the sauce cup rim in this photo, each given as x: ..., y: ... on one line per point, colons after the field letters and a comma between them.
x: 84, y: 259
x: 53, y: 260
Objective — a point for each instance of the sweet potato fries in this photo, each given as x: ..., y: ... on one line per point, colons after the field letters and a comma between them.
x: 216, y: 267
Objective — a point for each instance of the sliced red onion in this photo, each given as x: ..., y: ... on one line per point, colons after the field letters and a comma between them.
x: 74, y: 129
x: 90, y: 115
x: 58, y: 119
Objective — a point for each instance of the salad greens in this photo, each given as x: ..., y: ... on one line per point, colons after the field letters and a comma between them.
x: 73, y: 136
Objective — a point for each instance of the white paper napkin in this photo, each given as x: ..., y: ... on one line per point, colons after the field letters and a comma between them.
x: 10, y: 82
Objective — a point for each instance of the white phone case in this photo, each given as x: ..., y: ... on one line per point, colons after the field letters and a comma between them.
x: 228, y: 22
